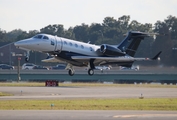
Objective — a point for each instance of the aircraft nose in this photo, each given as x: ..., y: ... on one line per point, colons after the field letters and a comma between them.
x: 21, y: 43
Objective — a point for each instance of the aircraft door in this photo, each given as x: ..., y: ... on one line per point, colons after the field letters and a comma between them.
x: 58, y: 44
x: 52, y: 43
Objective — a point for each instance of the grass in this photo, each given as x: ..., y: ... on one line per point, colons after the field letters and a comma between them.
x: 5, y: 94
x: 22, y: 84
x: 92, y: 104
x: 37, y: 84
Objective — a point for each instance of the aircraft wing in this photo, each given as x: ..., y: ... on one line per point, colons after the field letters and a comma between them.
x: 118, y: 59
x: 99, y: 60
x: 104, y: 60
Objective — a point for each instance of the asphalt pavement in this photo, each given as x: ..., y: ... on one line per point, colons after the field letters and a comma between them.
x: 86, y: 115
x: 86, y: 92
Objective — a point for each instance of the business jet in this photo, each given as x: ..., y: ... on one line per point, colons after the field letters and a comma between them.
x: 82, y: 54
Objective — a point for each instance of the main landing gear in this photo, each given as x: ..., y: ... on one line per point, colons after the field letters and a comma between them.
x: 91, y: 67
x: 90, y: 72
x: 70, y: 69
x: 71, y: 72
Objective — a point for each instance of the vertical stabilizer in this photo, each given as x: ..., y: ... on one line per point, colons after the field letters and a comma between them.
x: 131, y: 42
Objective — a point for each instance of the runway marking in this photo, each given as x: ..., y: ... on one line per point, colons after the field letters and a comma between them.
x: 55, y: 94
x: 145, y: 115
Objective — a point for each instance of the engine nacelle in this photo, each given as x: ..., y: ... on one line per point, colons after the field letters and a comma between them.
x: 110, y: 50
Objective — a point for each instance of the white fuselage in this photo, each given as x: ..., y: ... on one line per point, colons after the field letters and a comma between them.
x: 49, y: 43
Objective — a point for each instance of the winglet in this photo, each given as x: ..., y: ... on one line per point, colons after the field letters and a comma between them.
x: 156, y: 57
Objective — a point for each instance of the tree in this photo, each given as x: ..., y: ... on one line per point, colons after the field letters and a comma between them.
x: 81, y: 32
x: 55, y: 29
x: 165, y: 41
x: 13, y: 35
x: 112, y: 31
x: 23, y: 35
x: 171, y: 22
x: 109, y: 22
x: 69, y: 33
x: 2, y: 35
x: 123, y: 23
x: 32, y: 33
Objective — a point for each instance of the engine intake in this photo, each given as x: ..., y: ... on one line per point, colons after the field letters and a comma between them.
x: 110, y: 50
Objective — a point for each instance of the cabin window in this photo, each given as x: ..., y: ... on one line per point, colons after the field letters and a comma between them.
x: 91, y: 49
x: 65, y: 42
x: 70, y: 44
x: 82, y: 46
x: 45, y: 37
x: 76, y: 45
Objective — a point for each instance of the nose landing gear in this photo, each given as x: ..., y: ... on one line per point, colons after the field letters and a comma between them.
x: 27, y: 56
x: 27, y: 59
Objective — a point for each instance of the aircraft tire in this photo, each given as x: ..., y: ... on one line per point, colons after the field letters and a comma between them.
x: 71, y: 72
x: 90, y: 72
x: 27, y: 59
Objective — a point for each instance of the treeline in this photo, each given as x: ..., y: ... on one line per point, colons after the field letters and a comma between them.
x: 112, y: 31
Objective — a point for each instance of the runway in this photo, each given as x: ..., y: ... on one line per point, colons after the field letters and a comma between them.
x: 84, y: 93
x: 86, y: 115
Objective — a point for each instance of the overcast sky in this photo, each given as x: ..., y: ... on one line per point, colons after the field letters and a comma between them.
x: 36, y: 14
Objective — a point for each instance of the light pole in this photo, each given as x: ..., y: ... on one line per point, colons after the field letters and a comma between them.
x: 10, y: 54
x: 18, y: 70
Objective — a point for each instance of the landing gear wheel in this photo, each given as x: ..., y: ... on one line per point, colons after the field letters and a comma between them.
x: 71, y: 72
x: 90, y: 71
x: 27, y: 59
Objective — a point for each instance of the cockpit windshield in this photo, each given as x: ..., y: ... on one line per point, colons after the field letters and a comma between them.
x: 45, y: 37
x: 38, y: 36
x: 41, y: 37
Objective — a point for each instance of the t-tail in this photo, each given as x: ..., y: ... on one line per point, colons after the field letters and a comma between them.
x: 131, y: 42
